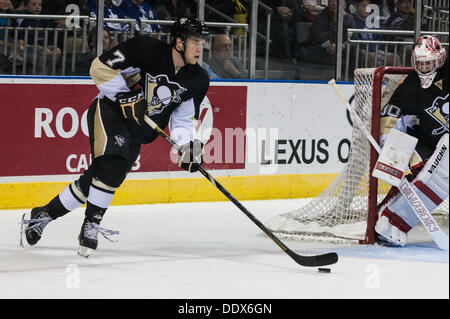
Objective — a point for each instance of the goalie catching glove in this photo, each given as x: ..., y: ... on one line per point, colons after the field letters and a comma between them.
x: 191, y: 156
x: 133, y: 105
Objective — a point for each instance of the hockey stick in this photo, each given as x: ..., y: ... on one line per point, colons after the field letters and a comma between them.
x: 308, y: 261
x: 405, y: 188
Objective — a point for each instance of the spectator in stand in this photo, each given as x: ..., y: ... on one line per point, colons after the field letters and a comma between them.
x: 321, y: 46
x: 30, y: 7
x: 173, y: 9
x: 5, y: 6
x: 18, y: 4
x: 386, y: 8
x: 313, y: 8
x: 350, y: 6
x: 286, y: 14
x: 235, y: 10
x: 362, y: 22
x: 58, y: 7
x: 140, y: 10
x: 35, y: 7
x: 84, y: 60
x: 402, y: 19
x: 111, y: 11
x: 222, y: 65
x: 241, y: 10
x: 11, y: 5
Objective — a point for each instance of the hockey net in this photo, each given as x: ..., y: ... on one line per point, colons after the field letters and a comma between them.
x: 346, y: 210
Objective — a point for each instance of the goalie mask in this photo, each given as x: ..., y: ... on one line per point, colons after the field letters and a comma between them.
x: 427, y: 57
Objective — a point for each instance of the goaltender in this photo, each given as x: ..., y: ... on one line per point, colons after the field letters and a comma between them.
x: 418, y: 107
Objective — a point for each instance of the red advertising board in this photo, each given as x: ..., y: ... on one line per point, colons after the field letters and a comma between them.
x: 44, y: 129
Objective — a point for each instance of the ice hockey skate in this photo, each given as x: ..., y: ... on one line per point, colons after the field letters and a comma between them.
x: 36, y: 220
x: 88, y: 236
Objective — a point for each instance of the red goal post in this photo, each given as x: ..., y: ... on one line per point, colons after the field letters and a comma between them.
x: 375, y: 131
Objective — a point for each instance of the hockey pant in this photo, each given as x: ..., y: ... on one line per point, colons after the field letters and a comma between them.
x: 114, y: 152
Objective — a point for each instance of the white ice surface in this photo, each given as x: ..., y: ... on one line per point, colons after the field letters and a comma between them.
x: 208, y: 251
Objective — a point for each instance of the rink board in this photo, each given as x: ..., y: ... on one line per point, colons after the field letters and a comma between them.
x: 266, y: 140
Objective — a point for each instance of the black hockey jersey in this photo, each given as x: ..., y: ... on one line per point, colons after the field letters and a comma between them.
x: 148, y: 62
x: 428, y: 106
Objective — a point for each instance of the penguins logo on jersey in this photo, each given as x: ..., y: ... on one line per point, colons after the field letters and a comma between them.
x: 120, y: 140
x: 161, y: 92
x: 439, y: 111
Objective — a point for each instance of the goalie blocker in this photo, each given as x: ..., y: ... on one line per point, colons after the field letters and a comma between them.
x: 394, y: 157
x: 395, y: 215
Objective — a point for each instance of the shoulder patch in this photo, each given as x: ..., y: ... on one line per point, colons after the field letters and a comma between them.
x: 439, y: 84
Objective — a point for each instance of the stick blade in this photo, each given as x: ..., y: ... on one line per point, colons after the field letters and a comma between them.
x: 316, y: 261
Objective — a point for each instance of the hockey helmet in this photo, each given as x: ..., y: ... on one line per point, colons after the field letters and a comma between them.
x: 427, y: 57
x: 184, y: 28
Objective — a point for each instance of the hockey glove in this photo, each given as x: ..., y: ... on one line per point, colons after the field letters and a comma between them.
x: 133, y: 105
x: 191, y: 156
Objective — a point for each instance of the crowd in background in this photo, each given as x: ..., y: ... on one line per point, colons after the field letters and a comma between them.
x: 303, y: 32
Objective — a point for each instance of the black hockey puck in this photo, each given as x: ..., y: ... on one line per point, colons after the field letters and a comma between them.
x: 324, y: 270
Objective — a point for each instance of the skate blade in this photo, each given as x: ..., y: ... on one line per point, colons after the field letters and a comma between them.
x: 382, y: 241
x: 23, y: 241
x: 84, y: 251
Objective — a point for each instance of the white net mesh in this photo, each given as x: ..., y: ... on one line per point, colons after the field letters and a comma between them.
x: 339, y: 213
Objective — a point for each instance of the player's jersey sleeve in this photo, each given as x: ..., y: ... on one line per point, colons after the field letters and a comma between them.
x: 200, y: 83
x: 183, y: 121
x: 399, y: 112
x: 119, y: 68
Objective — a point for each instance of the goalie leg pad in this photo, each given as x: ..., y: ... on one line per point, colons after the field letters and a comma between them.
x: 395, y: 220
x: 396, y: 217
x: 432, y: 182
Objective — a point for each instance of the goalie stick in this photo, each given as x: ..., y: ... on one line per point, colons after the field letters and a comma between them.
x: 307, y: 261
x: 405, y: 188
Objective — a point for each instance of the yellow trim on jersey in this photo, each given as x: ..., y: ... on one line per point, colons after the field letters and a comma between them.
x: 172, y: 190
x: 100, y: 138
x: 386, y: 124
x: 101, y: 73
x: 77, y: 192
x: 101, y: 185
x: 415, y: 159
x: 133, y: 79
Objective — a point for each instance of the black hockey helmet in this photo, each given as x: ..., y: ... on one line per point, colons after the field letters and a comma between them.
x: 184, y: 28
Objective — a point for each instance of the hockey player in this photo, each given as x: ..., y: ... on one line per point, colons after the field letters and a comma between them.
x: 418, y: 107
x: 139, y: 76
